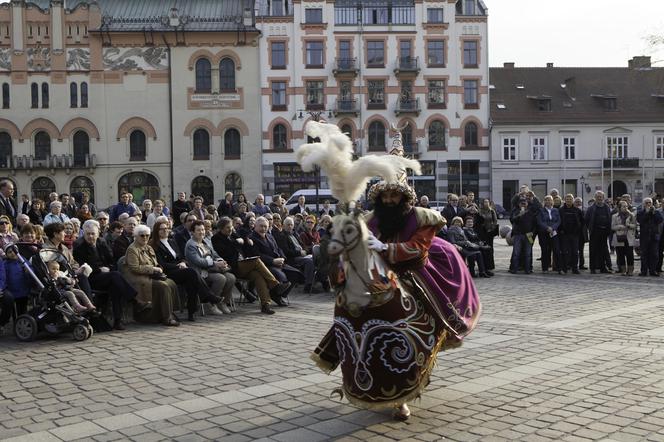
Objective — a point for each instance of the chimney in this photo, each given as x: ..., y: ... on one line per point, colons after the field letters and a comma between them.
x: 639, y: 62
x: 549, y: 65
x: 508, y: 65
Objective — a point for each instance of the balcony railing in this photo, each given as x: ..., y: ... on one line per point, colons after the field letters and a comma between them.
x: 345, y: 66
x: 411, y: 106
x: 87, y: 161
x: 407, y: 65
x: 346, y: 107
x: 412, y: 149
x: 622, y: 163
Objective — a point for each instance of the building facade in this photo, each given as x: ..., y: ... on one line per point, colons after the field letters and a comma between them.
x: 578, y: 130
x: 149, y: 97
x: 367, y: 65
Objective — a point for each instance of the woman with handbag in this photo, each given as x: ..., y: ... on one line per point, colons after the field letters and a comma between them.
x: 623, y: 224
x: 200, y: 256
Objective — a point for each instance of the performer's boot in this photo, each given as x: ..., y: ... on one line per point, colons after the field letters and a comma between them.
x: 402, y: 413
x: 630, y: 271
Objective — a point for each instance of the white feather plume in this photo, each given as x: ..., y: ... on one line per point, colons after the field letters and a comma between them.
x: 333, y: 154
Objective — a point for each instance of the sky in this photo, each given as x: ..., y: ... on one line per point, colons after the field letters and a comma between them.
x: 573, y: 32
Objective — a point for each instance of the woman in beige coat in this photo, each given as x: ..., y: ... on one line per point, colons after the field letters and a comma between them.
x: 623, y: 224
x: 143, y: 272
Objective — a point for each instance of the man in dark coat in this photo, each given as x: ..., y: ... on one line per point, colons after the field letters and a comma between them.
x: 452, y: 209
x: 7, y: 202
x: 598, y: 220
x: 571, y: 225
x: 524, y: 225
x: 649, y: 220
x: 181, y: 205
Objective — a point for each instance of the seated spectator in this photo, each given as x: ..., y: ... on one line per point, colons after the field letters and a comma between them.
x: 94, y: 251
x: 36, y: 212
x: 102, y: 219
x: 452, y: 208
x: 324, y: 225
x: 309, y: 236
x: 123, y: 206
x: 114, y: 231
x: 21, y: 220
x: 228, y: 246
x: 200, y: 256
x: 242, y: 210
x: 247, y: 227
x: 55, y: 239
x: 7, y: 236
x: 85, y: 200
x: 56, y: 214
x: 198, y: 210
x: 208, y: 229
x: 182, y: 233
x: 70, y: 234
x: 212, y: 211
x: 265, y: 247
x: 298, y: 223
x: 77, y: 298
x: 39, y: 234
x: 143, y: 272
x: 6, y: 298
x: 259, y: 207
x: 146, y: 210
x: 469, y: 250
x: 157, y: 211
x: 226, y: 205
x: 473, y: 237
x: 295, y: 253
x: 278, y: 206
x: 172, y: 261
x: 122, y: 242
x: 29, y: 245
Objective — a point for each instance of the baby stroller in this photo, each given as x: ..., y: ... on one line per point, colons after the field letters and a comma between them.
x: 51, y: 312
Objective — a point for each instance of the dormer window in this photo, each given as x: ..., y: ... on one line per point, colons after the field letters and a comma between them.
x: 543, y: 102
x: 470, y: 7
x: 610, y: 102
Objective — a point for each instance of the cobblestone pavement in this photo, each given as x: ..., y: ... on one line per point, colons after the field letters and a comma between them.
x: 571, y: 358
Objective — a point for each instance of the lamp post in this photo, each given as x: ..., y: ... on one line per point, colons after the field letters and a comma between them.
x: 583, y: 190
x: 315, y: 116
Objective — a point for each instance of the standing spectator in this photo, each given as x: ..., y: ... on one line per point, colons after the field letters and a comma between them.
x: 570, y: 232
x: 260, y: 208
x: 83, y: 213
x: 7, y: 236
x: 85, y: 199
x: 122, y: 207
x: 35, y: 212
x: 326, y: 210
x: 623, y: 224
x: 55, y: 216
x: 452, y: 209
x: 583, y: 237
x: 180, y: 206
x: 278, y: 206
x: 157, y: 211
x: 649, y: 221
x: 25, y: 204
x: 226, y: 206
x: 198, y: 210
x: 301, y: 207
x: 241, y: 199
x: 7, y: 203
x: 524, y: 223
x: 487, y: 229
x: 470, y: 197
x: 68, y: 207
x: 548, y: 223
x: 598, y: 220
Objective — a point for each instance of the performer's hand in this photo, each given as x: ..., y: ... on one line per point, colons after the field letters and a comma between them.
x: 375, y: 244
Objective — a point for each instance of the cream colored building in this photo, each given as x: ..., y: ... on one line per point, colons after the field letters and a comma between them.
x: 108, y: 96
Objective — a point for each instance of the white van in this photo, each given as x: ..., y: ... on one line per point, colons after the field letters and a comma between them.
x: 310, y: 199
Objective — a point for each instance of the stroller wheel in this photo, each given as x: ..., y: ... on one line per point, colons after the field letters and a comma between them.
x: 91, y: 331
x: 25, y: 328
x: 81, y: 332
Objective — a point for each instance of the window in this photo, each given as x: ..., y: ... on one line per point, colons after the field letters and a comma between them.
x: 5, y: 149
x: 470, y: 54
x: 469, y: 7
x: 201, y: 145
x: 227, y: 75
x: 203, y: 76
x: 405, y: 50
x: 463, y: 176
x: 232, y: 144
x: 313, y: 15
x: 5, y: 96
x: 435, y: 15
x: 42, y: 146
x: 137, y: 146
x: 73, y: 95
x: 345, y: 91
x: 34, y: 95
x: 375, y: 53
x: 314, y: 94
x: 314, y: 54
x: 81, y: 148
x: 233, y: 183
x: 470, y: 93
x: 509, y: 149
x: 278, y: 54
x: 376, y: 136
x: 84, y: 95
x: 569, y: 148
x: 45, y: 99
x: 616, y: 147
x: 278, y: 94
x: 279, y: 8
x: 407, y: 139
x: 346, y: 129
x: 436, y: 93
x: 345, y: 53
x: 538, y: 148
x: 436, y: 53
x: 470, y: 137
x: 539, y: 188
x: 376, y: 94
x: 279, y: 137
x: 659, y: 147
x: 437, y: 135
x: 82, y: 184
x: 142, y: 185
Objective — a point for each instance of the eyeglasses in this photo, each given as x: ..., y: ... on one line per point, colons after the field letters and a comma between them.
x: 4, y: 222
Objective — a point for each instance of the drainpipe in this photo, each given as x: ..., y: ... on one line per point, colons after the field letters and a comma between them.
x: 170, y: 115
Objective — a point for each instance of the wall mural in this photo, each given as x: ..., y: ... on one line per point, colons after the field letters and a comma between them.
x: 78, y: 59
x: 6, y: 59
x: 127, y: 59
x: 39, y: 58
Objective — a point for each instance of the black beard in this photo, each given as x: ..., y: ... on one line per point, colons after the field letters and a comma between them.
x: 391, y: 219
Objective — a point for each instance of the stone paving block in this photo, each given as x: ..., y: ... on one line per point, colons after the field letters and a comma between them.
x: 117, y: 422
x: 160, y: 413
x: 77, y: 431
x: 40, y: 436
x: 230, y: 397
x: 299, y: 435
x: 198, y: 404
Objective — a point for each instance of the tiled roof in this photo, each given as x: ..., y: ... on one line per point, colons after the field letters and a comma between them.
x: 577, y: 95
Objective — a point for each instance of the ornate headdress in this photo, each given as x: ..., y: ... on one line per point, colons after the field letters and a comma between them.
x: 348, y: 179
x: 401, y: 184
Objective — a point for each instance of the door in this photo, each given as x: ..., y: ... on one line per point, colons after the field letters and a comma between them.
x: 510, y: 188
x: 617, y: 189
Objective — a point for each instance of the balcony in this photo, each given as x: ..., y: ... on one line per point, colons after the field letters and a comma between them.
x: 53, y: 162
x: 346, y: 107
x: 622, y: 163
x: 345, y: 67
x: 411, y: 106
x: 407, y: 66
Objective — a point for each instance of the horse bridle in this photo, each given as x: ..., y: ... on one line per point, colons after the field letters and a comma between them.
x: 347, y: 247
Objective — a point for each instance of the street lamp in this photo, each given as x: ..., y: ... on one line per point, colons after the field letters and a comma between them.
x: 315, y: 116
x: 583, y: 190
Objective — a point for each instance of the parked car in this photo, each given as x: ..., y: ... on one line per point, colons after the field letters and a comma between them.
x: 310, y: 199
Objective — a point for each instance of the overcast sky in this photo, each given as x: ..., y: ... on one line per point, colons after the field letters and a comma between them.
x: 573, y: 32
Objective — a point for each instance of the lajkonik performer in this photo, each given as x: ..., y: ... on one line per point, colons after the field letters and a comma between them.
x: 402, y: 293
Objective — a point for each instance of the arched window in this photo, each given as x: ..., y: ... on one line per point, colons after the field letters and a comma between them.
x: 227, y: 74
x: 233, y: 183
x: 437, y: 135
x: 279, y: 137
x: 201, y: 145
x: 142, y: 185
x: 82, y: 184
x: 348, y: 130
x: 42, y: 187
x: 470, y: 134
x: 232, y: 144
x: 137, y: 146
x: 73, y: 95
x: 377, y: 136
x: 407, y: 139
x: 34, y: 95
x: 84, y: 94
x: 202, y: 186
x: 203, y: 75
x: 81, y: 148
x: 45, y: 98
x: 42, y: 145
x: 5, y: 149
x: 5, y: 96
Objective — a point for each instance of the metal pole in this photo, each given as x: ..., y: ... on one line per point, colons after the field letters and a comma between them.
x: 602, y: 169
x: 653, y: 164
x: 611, y: 183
